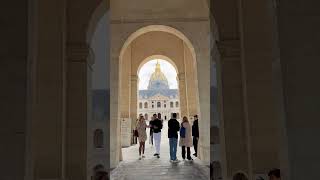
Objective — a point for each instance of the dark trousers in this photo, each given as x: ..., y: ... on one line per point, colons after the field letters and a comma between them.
x: 195, y: 145
x: 184, y: 152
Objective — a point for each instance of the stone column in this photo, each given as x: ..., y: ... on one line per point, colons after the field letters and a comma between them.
x: 115, y: 138
x: 203, y: 75
x: 134, y: 99
x: 183, y: 95
x: 77, y: 108
x: 262, y: 123
x: 233, y: 138
x: 47, y: 121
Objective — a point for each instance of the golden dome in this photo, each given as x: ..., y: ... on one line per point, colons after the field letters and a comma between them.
x: 158, y: 80
x: 158, y: 74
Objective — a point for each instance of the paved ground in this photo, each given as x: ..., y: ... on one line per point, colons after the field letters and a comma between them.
x: 153, y: 168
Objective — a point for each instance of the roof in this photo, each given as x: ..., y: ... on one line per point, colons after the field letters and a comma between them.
x: 165, y: 92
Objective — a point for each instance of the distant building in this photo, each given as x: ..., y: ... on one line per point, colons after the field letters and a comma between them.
x: 158, y: 98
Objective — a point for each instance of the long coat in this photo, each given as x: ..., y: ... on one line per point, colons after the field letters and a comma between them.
x: 187, y: 141
x: 141, y: 127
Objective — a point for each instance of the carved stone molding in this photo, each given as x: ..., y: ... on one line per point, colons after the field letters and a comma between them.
x: 134, y: 78
x: 181, y: 76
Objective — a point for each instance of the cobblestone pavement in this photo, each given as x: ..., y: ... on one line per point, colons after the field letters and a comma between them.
x: 131, y: 168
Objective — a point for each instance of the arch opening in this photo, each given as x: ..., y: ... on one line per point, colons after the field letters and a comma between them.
x: 142, y: 46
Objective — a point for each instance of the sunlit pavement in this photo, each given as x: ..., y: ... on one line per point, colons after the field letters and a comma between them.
x: 153, y: 168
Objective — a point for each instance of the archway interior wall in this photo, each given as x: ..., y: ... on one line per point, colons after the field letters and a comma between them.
x: 196, y: 31
x: 147, y: 45
x: 149, y: 9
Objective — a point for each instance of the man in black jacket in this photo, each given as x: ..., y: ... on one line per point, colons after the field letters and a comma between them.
x: 195, y: 134
x: 173, y: 128
x: 157, y: 126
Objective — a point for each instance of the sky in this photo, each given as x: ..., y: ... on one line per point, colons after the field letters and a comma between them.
x: 148, y: 68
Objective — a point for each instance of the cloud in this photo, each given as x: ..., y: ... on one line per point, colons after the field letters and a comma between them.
x: 167, y: 69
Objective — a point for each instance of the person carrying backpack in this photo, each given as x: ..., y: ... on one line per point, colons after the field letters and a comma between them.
x: 185, y: 138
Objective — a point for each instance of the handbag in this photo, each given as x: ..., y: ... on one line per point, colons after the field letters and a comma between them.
x: 182, y: 132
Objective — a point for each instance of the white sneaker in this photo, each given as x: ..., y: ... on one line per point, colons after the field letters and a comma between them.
x: 176, y: 161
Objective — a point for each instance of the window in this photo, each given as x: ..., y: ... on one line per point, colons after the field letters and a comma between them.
x: 140, y: 105
x: 152, y: 106
x: 146, y: 116
x: 171, y: 104
x: 165, y: 106
x: 159, y: 104
x: 145, y: 105
x: 177, y: 104
x: 178, y: 116
x: 98, y: 138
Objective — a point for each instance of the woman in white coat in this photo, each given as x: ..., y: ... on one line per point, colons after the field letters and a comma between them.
x: 185, y: 138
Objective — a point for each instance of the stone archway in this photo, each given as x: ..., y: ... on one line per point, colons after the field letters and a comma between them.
x: 128, y: 64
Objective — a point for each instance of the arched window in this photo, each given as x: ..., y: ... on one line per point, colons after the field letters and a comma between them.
x: 145, y: 105
x: 165, y: 105
x: 171, y: 104
x: 159, y: 104
x: 140, y: 105
x: 98, y: 138
x: 177, y: 104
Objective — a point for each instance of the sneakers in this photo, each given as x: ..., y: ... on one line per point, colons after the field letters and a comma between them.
x: 156, y: 154
x: 190, y: 159
x: 176, y: 161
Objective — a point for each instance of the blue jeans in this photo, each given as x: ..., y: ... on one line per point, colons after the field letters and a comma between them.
x: 173, y: 142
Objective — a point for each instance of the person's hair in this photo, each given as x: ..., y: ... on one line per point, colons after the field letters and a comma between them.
x: 174, y: 115
x: 274, y: 172
x: 141, y: 117
x: 185, y: 119
x: 159, y: 115
x: 196, y: 116
x: 154, y: 115
x: 102, y: 175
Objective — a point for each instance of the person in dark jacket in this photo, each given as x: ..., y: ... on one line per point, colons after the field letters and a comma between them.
x: 157, y: 126
x: 151, y: 131
x: 195, y: 134
x: 173, y: 128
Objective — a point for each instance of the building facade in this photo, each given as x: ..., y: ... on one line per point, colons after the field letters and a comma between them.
x: 158, y: 97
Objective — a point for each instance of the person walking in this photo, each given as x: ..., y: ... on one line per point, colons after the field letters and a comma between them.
x: 157, y: 126
x: 173, y: 129
x: 195, y: 134
x: 151, y: 130
x: 142, y: 135
x: 185, y: 138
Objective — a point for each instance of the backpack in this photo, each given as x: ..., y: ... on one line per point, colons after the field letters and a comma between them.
x: 182, y: 131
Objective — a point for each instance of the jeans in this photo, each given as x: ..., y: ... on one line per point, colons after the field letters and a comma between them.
x: 173, y: 142
x: 157, y: 141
